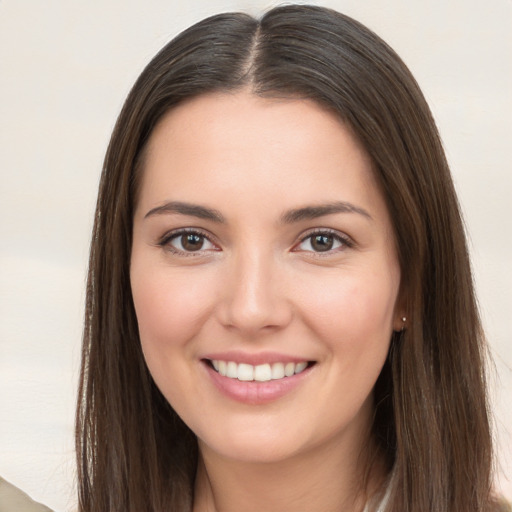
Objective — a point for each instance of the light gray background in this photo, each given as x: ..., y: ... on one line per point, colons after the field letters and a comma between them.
x: 65, y: 68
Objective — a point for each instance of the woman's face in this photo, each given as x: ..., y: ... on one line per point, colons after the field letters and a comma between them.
x: 264, y: 275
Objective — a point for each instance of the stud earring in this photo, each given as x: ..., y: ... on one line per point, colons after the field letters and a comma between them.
x: 404, y: 319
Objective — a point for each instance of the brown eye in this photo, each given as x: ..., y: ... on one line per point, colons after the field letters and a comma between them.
x: 188, y: 242
x: 322, y: 243
x: 192, y: 242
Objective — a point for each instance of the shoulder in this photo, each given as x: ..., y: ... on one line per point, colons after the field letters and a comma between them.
x: 497, y: 504
x: 14, y: 500
x: 503, y: 506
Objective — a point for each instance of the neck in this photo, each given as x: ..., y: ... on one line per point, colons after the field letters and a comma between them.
x: 327, y: 478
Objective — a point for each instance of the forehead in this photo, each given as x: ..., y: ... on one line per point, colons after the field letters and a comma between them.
x: 227, y: 115
x: 239, y: 148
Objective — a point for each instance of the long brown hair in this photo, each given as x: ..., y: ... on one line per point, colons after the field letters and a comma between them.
x: 431, y: 413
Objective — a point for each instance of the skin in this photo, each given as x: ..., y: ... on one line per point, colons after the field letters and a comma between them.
x: 258, y: 284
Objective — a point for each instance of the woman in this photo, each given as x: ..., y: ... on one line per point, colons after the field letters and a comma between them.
x: 280, y: 311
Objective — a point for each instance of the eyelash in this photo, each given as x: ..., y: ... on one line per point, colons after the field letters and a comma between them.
x: 344, y: 240
x: 165, y: 241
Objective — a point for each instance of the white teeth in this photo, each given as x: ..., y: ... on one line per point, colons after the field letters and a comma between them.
x: 289, y: 369
x: 299, y: 367
x: 245, y: 371
x: 277, y: 371
x: 231, y: 370
x: 259, y: 373
x: 262, y: 372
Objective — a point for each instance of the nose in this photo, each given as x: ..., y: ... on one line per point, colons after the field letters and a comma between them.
x: 253, y: 300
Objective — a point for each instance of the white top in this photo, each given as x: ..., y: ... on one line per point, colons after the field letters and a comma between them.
x: 383, y: 502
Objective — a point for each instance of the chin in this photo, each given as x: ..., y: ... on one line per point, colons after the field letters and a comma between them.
x: 252, y: 451
x: 265, y: 444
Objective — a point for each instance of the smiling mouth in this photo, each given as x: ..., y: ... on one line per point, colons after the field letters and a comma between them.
x: 259, y: 373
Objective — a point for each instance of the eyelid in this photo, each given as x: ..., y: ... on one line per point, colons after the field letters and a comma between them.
x: 346, y: 241
x: 165, y: 240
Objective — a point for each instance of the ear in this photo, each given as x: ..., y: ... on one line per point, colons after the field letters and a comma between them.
x: 399, y: 321
x: 402, y: 305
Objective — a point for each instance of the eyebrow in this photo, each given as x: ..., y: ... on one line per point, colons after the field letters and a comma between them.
x: 192, y: 210
x: 289, y: 217
x: 313, y: 212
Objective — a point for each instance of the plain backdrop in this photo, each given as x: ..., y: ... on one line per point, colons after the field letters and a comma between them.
x: 65, y: 69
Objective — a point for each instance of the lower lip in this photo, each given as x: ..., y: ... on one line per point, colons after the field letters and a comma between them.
x: 254, y: 392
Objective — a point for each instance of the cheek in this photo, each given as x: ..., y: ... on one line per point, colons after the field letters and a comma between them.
x: 352, y: 303
x: 170, y: 307
x: 353, y: 320
x: 354, y: 317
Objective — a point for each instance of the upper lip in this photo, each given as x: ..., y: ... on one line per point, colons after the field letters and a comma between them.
x: 254, y: 358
